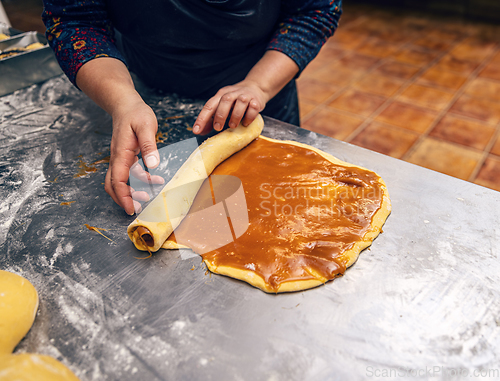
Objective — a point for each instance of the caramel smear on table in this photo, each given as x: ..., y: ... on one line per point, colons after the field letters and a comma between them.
x: 86, y: 169
x: 68, y: 203
x: 161, y: 137
x: 97, y: 231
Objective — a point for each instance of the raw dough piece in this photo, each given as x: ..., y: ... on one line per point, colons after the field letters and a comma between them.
x: 18, y: 306
x: 304, y: 241
x: 153, y: 226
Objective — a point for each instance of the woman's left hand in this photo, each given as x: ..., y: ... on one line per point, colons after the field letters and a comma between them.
x: 241, y: 102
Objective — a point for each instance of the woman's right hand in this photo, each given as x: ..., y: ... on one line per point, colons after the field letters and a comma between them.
x: 134, y: 130
x: 107, y: 82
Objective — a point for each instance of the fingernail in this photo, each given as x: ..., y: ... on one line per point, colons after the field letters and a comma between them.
x: 151, y: 160
x: 217, y: 127
x: 196, y: 129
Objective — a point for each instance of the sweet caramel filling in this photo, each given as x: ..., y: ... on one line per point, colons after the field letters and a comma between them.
x: 145, y: 236
x: 304, y: 213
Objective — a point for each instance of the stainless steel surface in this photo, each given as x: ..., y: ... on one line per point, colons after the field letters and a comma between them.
x: 423, y: 302
x: 26, y: 68
x: 5, y: 29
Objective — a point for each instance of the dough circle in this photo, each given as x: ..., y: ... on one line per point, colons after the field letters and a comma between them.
x: 218, y: 149
x: 351, y: 255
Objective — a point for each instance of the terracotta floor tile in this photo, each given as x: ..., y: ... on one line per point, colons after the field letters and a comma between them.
x: 484, y: 31
x: 489, y: 175
x: 331, y: 123
x: 331, y: 54
x: 345, y: 39
x: 305, y: 107
x: 312, y: 67
x: 433, y: 43
x: 496, y: 147
x: 496, y: 58
x: 395, y: 36
x: 463, y: 131
x: 484, y: 88
x: 314, y: 90
x: 449, y: 62
x: 473, y: 49
x: 358, y: 61
x: 397, y: 69
x: 445, y: 157
x: 481, y: 109
x: 426, y: 97
x: 392, y: 141
x: 415, y: 55
x: 407, y: 116
x: 336, y: 74
x: 377, y: 84
x: 492, y: 71
x: 441, y: 78
x: 377, y: 48
x: 438, y: 33
x: 358, y: 102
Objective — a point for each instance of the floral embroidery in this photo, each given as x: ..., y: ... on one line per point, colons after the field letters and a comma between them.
x: 79, y: 44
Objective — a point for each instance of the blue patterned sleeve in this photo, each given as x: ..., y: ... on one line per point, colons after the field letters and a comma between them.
x: 304, y: 28
x: 78, y: 31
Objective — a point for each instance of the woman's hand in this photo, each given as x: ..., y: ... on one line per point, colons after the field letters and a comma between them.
x: 107, y: 81
x: 241, y: 102
x: 246, y: 99
x: 134, y: 131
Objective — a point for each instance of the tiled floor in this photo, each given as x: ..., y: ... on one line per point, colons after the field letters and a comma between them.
x: 421, y: 88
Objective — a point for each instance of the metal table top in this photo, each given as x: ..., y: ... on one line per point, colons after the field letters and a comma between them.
x: 423, y: 301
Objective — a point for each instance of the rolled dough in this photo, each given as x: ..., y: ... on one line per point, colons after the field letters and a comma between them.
x: 178, y: 194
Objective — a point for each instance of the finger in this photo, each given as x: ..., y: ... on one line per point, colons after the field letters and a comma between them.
x: 139, y: 195
x: 252, y: 112
x: 119, y: 169
x: 239, y: 110
x: 203, y: 123
x: 137, y: 207
x: 223, y: 109
x: 146, y: 136
x: 121, y: 197
x: 208, y: 127
x: 139, y: 173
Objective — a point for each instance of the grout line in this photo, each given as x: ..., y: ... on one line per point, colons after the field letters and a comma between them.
x: 405, y: 84
x: 457, y: 94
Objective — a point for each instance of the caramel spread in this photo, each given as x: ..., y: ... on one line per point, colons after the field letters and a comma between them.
x: 304, y: 213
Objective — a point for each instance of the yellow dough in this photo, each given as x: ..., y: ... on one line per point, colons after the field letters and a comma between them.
x: 307, y: 272
x: 18, y: 306
x: 311, y: 277
x: 179, y: 193
x: 30, y: 367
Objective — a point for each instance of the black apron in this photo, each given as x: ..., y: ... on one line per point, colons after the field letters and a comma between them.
x: 193, y: 47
